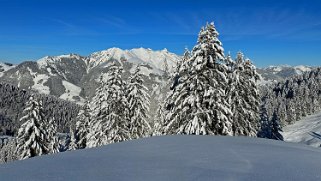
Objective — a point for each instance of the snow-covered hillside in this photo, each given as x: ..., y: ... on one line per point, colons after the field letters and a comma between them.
x: 278, y: 73
x: 73, y: 77
x: 176, y: 158
x: 307, y: 131
x: 298, y: 69
x: 5, y: 67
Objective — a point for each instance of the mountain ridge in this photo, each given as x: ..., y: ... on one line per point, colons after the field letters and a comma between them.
x: 74, y: 77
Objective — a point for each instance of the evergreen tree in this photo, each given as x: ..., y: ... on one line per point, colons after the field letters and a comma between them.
x: 73, y: 140
x: 158, y: 121
x: 111, y: 121
x: 265, y: 130
x: 138, y: 100
x: 79, y: 136
x: 291, y: 116
x: 199, y: 102
x: 32, y: 138
x: 276, y: 128
x: 244, y: 97
x: 52, y: 136
x: 97, y: 104
x: 7, y: 152
x: 180, y: 68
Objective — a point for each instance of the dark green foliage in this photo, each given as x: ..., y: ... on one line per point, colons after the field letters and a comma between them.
x: 12, y: 103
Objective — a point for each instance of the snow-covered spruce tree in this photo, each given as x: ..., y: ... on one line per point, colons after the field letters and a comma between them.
x: 73, y: 140
x: 158, y: 120
x: 138, y: 101
x: 199, y: 104
x: 244, y: 96
x: 79, y: 135
x: 275, y: 128
x: 52, y: 136
x: 180, y: 68
x: 7, y: 152
x: 291, y: 116
x: 97, y: 103
x: 265, y: 130
x: 32, y: 138
x: 110, y: 121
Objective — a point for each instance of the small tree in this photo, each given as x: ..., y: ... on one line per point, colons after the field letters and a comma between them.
x: 52, y: 136
x: 73, y: 140
x: 7, y: 152
x: 158, y: 121
x: 32, y: 138
x: 265, y: 129
x: 79, y: 136
x: 138, y: 100
x: 276, y: 128
x: 244, y: 96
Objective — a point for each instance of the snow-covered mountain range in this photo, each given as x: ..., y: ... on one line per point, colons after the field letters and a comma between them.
x: 175, y: 158
x: 73, y: 77
x: 281, y: 72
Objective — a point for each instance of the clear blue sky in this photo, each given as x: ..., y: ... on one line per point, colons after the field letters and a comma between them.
x: 267, y: 31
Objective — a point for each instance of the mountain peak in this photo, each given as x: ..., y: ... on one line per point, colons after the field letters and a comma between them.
x: 154, y: 58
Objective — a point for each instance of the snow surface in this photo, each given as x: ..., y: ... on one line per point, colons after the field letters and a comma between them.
x: 39, y: 81
x: 5, y: 68
x: 176, y: 158
x: 307, y: 131
x: 71, y: 91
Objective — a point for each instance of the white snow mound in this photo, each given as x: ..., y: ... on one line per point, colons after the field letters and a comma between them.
x: 176, y: 158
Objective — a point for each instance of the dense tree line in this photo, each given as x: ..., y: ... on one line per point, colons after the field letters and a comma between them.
x: 36, y: 135
x: 13, y: 101
x: 117, y: 112
x: 290, y: 100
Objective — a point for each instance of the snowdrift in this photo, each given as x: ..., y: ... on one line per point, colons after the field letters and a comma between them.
x: 176, y: 158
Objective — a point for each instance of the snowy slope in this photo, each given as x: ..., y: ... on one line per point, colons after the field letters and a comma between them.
x: 5, y: 67
x: 298, y: 69
x: 176, y: 158
x: 307, y: 131
x: 278, y: 73
x: 71, y: 91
